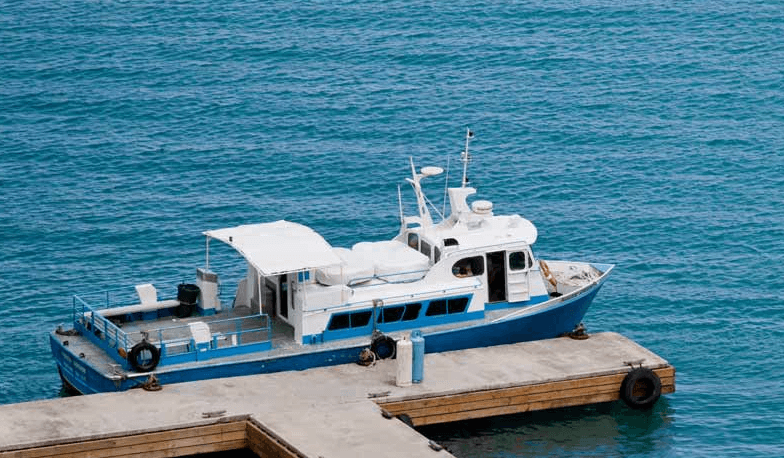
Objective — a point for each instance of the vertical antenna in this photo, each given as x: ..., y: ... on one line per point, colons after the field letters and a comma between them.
x: 400, y: 204
x: 446, y: 186
x: 465, y: 157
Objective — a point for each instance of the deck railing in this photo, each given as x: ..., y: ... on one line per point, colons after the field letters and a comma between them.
x: 177, y: 344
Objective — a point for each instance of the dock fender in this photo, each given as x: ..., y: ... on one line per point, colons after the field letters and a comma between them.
x: 383, y: 346
x: 641, y: 388
x: 141, y: 361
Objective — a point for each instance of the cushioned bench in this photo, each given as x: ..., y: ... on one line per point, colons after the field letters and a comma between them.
x: 148, y: 297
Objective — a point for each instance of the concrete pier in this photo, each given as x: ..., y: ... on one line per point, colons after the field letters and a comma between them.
x: 337, y: 411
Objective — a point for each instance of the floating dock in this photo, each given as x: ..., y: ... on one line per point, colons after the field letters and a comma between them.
x: 347, y: 410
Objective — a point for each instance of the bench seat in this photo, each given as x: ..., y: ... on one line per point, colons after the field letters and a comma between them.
x: 138, y: 308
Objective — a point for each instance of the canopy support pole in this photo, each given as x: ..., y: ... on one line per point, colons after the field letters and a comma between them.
x: 208, y: 253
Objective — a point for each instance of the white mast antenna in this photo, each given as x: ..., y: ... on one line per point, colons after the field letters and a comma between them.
x: 424, y: 214
x: 400, y: 204
x: 446, y: 186
x: 465, y: 157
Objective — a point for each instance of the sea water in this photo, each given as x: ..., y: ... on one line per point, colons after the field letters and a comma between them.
x: 649, y: 134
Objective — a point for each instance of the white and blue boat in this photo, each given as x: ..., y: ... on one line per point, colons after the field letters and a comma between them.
x: 470, y: 280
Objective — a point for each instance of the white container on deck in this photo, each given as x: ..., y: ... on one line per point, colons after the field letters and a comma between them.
x: 405, y: 352
x: 207, y: 282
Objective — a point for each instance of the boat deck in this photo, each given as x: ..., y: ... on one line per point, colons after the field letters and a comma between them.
x: 280, y: 334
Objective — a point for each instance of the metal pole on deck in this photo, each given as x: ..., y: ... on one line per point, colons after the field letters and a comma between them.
x: 208, y: 252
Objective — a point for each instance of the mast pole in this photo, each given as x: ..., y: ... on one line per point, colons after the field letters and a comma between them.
x: 465, y: 157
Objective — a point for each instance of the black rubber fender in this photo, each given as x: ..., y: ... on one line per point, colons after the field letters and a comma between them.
x: 183, y: 310
x: 147, y: 365
x: 383, y: 346
x: 641, y: 388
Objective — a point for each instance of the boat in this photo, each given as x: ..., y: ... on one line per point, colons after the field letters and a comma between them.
x: 469, y: 280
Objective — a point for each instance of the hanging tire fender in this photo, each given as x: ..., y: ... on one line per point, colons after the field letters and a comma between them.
x: 383, y: 346
x: 641, y: 388
x: 147, y: 365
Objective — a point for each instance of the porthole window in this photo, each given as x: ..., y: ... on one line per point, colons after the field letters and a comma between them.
x: 469, y: 267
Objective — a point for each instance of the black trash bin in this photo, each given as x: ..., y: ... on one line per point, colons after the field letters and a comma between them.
x: 187, y: 293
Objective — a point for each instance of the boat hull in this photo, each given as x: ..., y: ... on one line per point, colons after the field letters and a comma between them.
x: 547, y: 320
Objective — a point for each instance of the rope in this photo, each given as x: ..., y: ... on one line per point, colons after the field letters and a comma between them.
x: 579, y: 333
x: 367, y: 358
x: 152, y: 384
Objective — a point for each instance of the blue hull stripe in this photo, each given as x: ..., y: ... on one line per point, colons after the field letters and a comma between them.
x: 550, y: 322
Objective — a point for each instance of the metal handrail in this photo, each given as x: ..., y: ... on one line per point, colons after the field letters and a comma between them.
x: 107, y: 327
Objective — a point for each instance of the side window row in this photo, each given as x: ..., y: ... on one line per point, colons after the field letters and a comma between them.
x: 423, y: 247
x: 395, y: 313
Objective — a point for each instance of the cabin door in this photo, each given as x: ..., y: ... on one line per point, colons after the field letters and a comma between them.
x: 496, y: 276
x: 518, y: 267
x: 283, y: 294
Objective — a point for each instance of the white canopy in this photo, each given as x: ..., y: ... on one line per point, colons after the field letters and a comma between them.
x: 279, y: 247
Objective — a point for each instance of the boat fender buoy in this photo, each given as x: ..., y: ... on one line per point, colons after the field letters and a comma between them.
x: 383, y: 346
x: 641, y: 388
x: 146, y: 364
x: 548, y: 275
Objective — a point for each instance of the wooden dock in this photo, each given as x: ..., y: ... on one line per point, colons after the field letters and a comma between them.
x: 327, y: 412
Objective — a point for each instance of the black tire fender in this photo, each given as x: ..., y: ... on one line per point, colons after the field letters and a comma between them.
x: 641, y: 388
x: 383, y: 346
x: 145, y: 366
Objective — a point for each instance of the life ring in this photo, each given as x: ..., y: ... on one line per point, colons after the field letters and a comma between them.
x: 139, y: 361
x: 641, y: 388
x: 547, y: 274
x: 383, y: 346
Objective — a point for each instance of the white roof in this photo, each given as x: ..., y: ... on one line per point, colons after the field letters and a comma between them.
x: 279, y: 247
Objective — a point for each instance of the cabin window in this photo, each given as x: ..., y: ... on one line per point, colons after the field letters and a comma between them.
x: 450, y: 242
x: 349, y: 320
x: 444, y: 307
x: 360, y: 319
x: 436, y: 308
x: 425, y: 249
x: 457, y: 305
x: 469, y: 267
x: 520, y: 260
x: 436, y: 255
x: 340, y: 321
x: 391, y: 314
x: 412, y: 311
x: 413, y: 241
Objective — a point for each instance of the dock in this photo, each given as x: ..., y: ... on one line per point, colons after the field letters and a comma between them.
x: 347, y: 410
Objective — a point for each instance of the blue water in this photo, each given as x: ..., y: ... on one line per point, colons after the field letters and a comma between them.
x: 647, y: 133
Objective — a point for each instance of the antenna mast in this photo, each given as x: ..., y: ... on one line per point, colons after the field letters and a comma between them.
x: 465, y: 157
